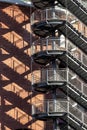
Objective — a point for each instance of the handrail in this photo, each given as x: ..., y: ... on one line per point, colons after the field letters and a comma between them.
x: 51, y: 106
x: 54, y: 13
x: 46, y: 75
x: 51, y: 13
x: 83, y: 3
x: 62, y: 44
x: 48, y: 44
x: 77, y: 53
x: 57, y: 15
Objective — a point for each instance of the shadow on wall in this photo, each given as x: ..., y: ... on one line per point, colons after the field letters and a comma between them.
x: 15, y: 84
x: 23, y: 129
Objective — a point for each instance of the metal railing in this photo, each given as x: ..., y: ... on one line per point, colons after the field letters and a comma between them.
x: 47, y: 14
x: 49, y: 44
x: 83, y: 2
x: 58, y: 106
x: 77, y: 53
x: 47, y: 75
x: 57, y: 13
x: 52, y: 13
x: 49, y: 106
x: 59, y: 44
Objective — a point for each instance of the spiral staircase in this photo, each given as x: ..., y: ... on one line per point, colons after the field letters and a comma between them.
x: 61, y: 52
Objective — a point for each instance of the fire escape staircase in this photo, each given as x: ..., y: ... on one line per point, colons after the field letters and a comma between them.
x: 74, y: 122
x: 46, y: 28
x: 66, y: 86
x: 74, y: 6
x: 68, y: 117
x: 75, y: 65
x: 66, y: 58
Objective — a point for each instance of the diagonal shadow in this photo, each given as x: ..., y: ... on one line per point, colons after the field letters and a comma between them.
x: 4, y: 57
x: 30, y: 122
x: 4, y: 83
x: 7, y: 107
x: 4, y: 31
x: 4, y: 5
x: 28, y: 10
x: 15, y: 26
x: 14, y: 51
x: 16, y: 101
x: 10, y: 122
x: 15, y: 77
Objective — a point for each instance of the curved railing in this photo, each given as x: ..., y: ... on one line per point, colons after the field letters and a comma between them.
x: 51, y: 43
x: 62, y: 44
x: 52, y: 16
x: 45, y: 76
x: 49, y: 106
x: 59, y: 106
x: 56, y: 13
x: 52, y: 13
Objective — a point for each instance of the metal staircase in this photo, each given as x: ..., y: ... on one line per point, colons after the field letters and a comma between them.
x: 54, y: 57
x: 45, y: 28
x: 74, y: 6
x: 62, y: 110
x: 74, y: 88
x: 74, y: 64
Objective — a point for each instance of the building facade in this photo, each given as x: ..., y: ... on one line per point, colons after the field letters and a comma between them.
x: 43, y: 65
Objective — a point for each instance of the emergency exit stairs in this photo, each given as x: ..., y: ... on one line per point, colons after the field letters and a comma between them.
x: 42, y: 30
x: 74, y: 6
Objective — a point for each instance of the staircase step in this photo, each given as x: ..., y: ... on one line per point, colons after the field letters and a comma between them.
x: 76, y: 8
